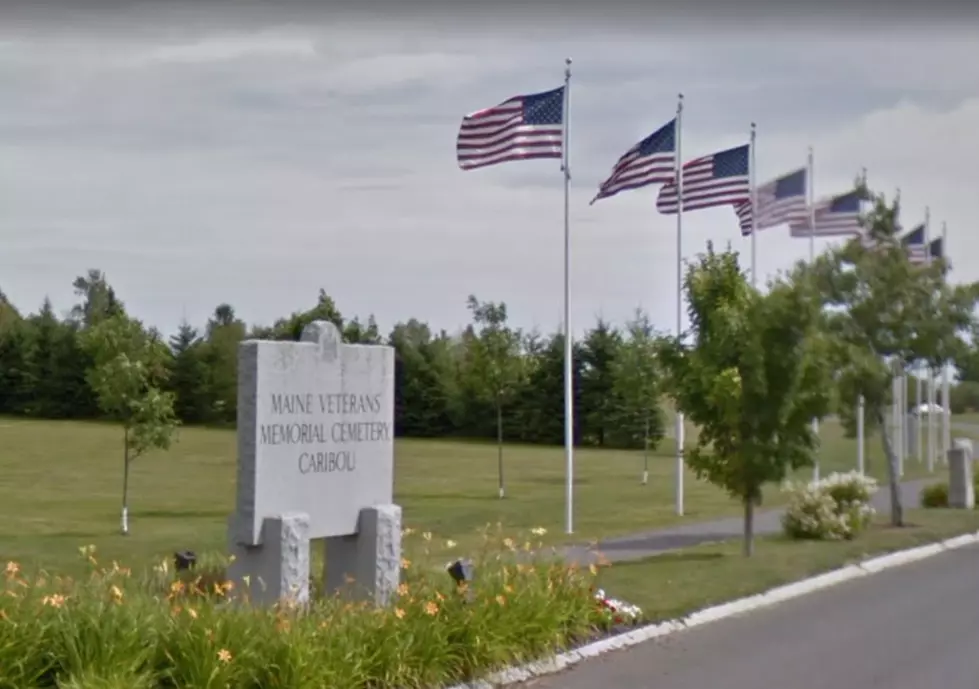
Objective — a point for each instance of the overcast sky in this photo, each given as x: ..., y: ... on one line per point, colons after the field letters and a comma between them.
x: 255, y: 157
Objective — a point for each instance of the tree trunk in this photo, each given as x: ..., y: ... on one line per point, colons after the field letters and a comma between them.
x: 897, y: 509
x: 125, y: 481
x: 499, y: 444
x: 645, y: 453
x: 749, y: 527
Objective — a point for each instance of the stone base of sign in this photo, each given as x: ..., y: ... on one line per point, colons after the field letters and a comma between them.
x: 278, y: 569
x: 961, y: 492
x: 366, y: 565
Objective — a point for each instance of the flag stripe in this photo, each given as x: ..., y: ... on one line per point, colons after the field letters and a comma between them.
x: 651, y: 161
x: 782, y: 200
x: 524, y: 127
x: 834, y: 216
x: 707, y: 186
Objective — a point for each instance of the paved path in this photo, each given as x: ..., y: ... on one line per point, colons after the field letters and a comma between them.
x: 913, y: 627
x: 641, y: 545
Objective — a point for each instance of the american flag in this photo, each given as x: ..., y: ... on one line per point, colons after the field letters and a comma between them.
x: 836, y: 216
x: 916, y: 246
x: 651, y: 161
x: 521, y: 128
x: 715, y: 180
x: 783, y: 200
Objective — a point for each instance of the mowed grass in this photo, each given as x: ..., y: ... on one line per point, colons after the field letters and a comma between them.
x: 675, y: 584
x: 60, y: 488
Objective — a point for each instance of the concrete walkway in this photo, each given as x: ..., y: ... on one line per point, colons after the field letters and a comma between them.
x: 767, y: 522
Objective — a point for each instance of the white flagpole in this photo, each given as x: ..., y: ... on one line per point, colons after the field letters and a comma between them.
x: 568, y: 351
x: 860, y: 444
x: 861, y: 405
x: 812, y: 257
x: 919, y: 419
x: 900, y: 404
x: 679, y: 432
x: 946, y: 407
x: 754, y: 210
x: 931, y: 373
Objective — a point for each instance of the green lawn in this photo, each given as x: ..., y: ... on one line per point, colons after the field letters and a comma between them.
x: 60, y: 485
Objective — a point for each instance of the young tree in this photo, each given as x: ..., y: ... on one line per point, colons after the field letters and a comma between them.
x: 636, y: 386
x: 496, y: 361
x: 752, y: 377
x: 888, y: 316
x: 130, y: 367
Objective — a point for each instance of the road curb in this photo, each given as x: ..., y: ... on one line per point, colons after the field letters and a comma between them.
x: 796, y: 589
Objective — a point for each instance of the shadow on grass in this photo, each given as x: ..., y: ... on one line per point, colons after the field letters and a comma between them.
x: 451, y: 497
x: 182, y: 514
x: 554, y: 480
x: 670, y: 559
x: 666, y: 542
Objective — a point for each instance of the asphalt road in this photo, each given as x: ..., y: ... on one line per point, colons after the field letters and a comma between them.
x: 912, y: 627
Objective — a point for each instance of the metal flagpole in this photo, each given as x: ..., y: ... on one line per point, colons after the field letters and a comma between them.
x: 946, y: 406
x: 568, y: 352
x: 812, y: 257
x: 679, y: 432
x: 754, y: 211
x: 895, y: 417
x: 860, y: 443
x: 931, y: 373
x: 861, y: 405
x: 919, y: 419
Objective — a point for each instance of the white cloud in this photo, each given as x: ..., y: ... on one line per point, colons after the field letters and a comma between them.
x: 232, y: 47
x: 255, y: 166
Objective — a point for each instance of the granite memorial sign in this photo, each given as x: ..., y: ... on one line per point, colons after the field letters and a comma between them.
x: 315, y: 461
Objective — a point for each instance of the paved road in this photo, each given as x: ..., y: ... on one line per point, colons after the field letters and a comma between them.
x: 641, y: 545
x: 913, y: 627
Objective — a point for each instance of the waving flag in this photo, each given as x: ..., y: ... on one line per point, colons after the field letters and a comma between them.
x: 720, y: 179
x: 651, y: 161
x: 836, y: 216
x: 521, y: 128
x: 783, y: 200
x: 916, y: 246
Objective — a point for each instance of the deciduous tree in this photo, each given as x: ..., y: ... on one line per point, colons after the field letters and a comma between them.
x: 130, y: 368
x: 636, y: 386
x: 495, y: 359
x: 888, y: 316
x: 751, y: 377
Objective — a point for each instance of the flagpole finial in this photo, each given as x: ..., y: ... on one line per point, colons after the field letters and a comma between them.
x: 679, y: 103
x: 567, y: 67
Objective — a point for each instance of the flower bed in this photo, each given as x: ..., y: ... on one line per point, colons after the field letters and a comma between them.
x: 113, y: 629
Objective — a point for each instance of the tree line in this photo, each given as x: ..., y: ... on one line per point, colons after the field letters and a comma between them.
x: 486, y: 380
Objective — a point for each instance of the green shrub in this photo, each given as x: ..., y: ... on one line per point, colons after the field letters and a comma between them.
x: 835, y: 508
x: 113, y: 629
x: 934, y: 495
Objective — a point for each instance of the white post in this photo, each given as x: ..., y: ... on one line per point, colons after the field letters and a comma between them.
x: 860, y: 434
x: 568, y: 350
x: 902, y: 392
x: 919, y: 419
x: 679, y: 434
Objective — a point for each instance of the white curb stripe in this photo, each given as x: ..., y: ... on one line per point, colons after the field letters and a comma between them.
x: 563, y: 661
